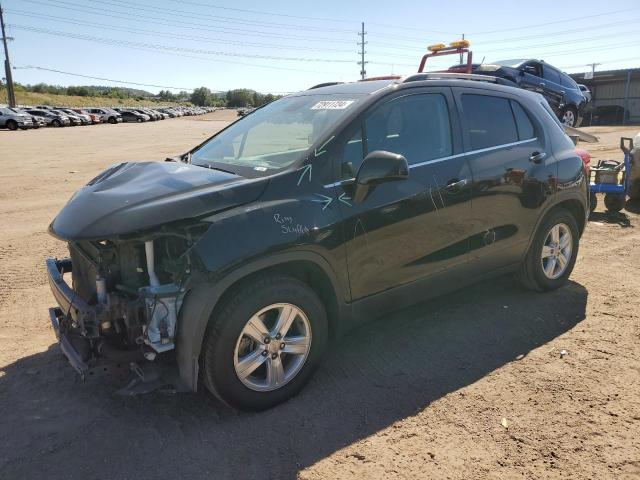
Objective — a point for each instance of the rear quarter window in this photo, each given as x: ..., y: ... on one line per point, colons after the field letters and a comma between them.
x: 552, y: 75
x: 523, y: 122
x: 490, y: 121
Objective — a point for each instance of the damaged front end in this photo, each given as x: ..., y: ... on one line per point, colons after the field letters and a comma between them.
x: 124, y: 298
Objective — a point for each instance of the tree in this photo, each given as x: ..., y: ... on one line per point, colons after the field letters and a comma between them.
x: 201, y: 97
x: 240, y: 98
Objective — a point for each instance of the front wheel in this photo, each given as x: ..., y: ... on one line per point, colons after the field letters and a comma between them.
x: 552, y: 253
x: 56, y: 123
x: 569, y: 116
x: 12, y: 125
x: 264, y: 342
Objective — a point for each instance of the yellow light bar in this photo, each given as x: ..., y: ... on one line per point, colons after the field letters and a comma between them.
x: 436, y: 47
x: 460, y: 44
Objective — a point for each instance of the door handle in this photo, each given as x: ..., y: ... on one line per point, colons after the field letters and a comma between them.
x: 537, y: 157
x: 455, y: 185
x: 542, y: 84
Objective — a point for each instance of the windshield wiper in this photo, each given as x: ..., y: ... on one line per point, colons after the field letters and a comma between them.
x: 210, y: 167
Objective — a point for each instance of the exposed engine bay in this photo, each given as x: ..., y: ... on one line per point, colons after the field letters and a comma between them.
x: 133, y: 290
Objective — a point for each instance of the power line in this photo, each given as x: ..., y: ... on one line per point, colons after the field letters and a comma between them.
x: 113, y: 41
x: 390, y: 26
x: 217, y: 60
x: 558, y: 34
x: 261, y: 12
x: 564, y: 42
x: 168, y: 35
x: 556, y: 22
x: 106, y: 79
x: 190, y: 14
x: 166, y: 22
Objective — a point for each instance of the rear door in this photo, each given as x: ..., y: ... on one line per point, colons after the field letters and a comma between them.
x: 513, y: 174
x: 414, y: 228
x: 553, y: 89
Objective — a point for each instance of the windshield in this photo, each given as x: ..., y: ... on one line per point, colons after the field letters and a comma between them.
x: 276, y: 135
x: 510, y: 63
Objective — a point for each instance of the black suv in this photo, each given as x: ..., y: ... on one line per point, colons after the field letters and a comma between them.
x: 235, y: 263
x: 561, y: 91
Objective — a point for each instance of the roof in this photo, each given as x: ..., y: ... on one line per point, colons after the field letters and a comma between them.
x: 351, y: 87
x: 437, y: 79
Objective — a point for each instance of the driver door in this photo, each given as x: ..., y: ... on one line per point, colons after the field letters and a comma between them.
x: 408, y: 229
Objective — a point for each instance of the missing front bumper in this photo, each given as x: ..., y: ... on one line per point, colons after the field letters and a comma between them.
x: 69, y: 351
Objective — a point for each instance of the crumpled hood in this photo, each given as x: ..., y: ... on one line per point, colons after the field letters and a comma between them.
x: 130, y: 197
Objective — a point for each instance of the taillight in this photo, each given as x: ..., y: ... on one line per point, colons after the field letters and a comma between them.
x: 586, y: 160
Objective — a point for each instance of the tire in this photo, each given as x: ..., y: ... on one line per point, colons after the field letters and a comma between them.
x: 532, y: 273
x: 12, y: 125
x: 56, y: 123
x: 634, y: 190
x: 593, y: 202
x: 569, y: 116
x: 614, y: 202
x: 139, y: 120
x: 112, y: 120
x: 226, y: 344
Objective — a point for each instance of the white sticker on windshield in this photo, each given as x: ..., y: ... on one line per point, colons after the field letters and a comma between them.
x: 332, y: 105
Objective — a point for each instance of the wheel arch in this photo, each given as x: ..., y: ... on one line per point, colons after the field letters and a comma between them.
x: 577, y: 210
x: 206, y: 296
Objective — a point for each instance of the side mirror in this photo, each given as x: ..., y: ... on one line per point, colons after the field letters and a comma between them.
x: 379, y: 167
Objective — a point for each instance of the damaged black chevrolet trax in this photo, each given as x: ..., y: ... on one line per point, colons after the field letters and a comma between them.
x: 232, y: 265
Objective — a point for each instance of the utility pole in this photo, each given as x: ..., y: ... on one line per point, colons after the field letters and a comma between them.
x: 362, y: 63
x: 11, y: 98
x: 593, y: 70
x: 461, y: 53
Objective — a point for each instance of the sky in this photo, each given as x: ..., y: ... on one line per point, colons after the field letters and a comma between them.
x: 286, y: 46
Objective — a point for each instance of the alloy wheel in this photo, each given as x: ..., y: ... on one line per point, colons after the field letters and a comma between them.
x: 568, y: 118
x: 272, y: 347
x: 556, y: 251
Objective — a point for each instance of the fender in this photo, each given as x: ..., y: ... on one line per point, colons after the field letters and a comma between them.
x: 201, y: 300
x: 559, y: 197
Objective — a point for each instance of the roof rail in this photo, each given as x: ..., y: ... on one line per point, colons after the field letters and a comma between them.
x: 326, y: 84
x: 457, y: 76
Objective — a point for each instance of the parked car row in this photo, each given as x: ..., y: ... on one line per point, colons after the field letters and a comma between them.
x: 24, y: 118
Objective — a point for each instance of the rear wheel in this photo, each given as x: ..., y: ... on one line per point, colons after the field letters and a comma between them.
x: 614, y: 202
x: 12, y: 125
x: 264, y: 343
x: 552, y: 253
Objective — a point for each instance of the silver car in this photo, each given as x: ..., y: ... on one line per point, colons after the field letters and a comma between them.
x: 52, y: 119
x: 85, y: 119
x: 13, y: 119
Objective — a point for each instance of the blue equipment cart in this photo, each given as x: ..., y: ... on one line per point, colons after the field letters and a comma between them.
x: 613, y: 179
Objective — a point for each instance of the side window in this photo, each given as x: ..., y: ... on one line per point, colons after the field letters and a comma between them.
x: 415, y: 126
x: 552, y: 75
x: 352, y: 155
x: 500, y: 130
x: 523, y: 122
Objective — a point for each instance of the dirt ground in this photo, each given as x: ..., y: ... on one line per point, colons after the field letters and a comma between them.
x: 490, y: 382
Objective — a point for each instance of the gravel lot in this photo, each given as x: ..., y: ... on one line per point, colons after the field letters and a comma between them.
x: 472, y: 385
